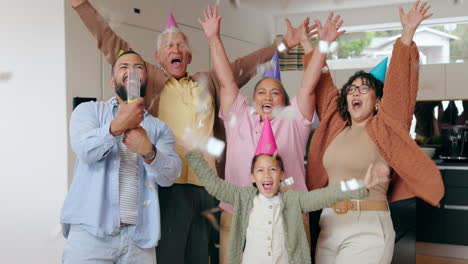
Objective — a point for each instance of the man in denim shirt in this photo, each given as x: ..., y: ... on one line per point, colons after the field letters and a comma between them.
x: 111, y: 213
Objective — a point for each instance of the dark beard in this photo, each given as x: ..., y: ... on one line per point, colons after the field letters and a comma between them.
x: 121, y: 91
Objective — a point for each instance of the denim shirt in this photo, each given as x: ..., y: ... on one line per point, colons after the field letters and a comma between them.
x: 93, y: 198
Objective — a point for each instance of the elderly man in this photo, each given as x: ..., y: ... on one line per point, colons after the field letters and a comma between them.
x: 183, y: 101
x: 111, y: 213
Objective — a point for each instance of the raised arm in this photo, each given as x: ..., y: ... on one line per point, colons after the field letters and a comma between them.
x: 325, y: 90
x: 376, y: 174
x: 313, y: 71
x: 228, y: 87
x: 401, y: 84
x: 215, y: 186
x: 109, y: 43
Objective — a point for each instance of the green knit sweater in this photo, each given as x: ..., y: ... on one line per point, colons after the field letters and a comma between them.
x: 293, y: 205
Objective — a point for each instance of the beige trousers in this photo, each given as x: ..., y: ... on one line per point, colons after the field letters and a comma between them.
x: 225, y: 231
x: 355, y: 237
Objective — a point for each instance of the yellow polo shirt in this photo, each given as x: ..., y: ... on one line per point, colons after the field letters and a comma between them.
x: 184, y: 104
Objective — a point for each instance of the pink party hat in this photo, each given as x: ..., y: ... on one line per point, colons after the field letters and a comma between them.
x: 266, y: 143
x: 171, y: 22
x: 274, y: 71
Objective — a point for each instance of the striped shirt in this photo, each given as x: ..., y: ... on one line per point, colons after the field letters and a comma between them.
x: 128, y: 184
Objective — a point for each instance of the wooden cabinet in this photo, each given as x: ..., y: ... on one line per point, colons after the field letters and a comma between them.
x: 456, y: 81
x: 431, y: 82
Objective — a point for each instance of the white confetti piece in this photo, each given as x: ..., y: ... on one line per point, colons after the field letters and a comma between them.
x: 287, y: 182
x: 262, y: 68
x: 354, y: 184
x: 5, y: 76
x: 215, y: 146
x: 285, y: 113
x: 281, y: 47
x: 147, y: 202
x: 344, y: 188
x: 326, y: 47
x: 148, y: 185
x: 233, y: 121
x: 253, y: 111
x: 200, y: 124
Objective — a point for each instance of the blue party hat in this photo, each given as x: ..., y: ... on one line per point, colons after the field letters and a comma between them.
x: 380, y: 70
x: 274, y: 71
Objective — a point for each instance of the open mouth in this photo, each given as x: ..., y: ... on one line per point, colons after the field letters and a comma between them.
x: 176, y: 61
x: 268, y: 186
x: 267, y: 108
x: 356, y: 104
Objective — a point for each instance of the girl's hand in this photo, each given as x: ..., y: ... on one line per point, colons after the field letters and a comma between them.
x: 330, y: 32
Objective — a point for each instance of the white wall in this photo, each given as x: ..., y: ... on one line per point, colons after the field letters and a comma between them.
x: 379, y: 16
x: 33, y: 152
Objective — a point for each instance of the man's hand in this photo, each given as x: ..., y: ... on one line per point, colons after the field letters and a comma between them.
x: 128, y: 117
x: 137, y: 140
x: 211, y: 25
x: 294, y: 36
x: 330, y: 32
x: 378, y: 173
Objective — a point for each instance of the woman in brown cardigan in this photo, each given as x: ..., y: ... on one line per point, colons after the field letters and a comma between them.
x: 359, y: 126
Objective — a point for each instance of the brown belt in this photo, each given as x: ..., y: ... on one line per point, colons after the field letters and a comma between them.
x: 361, y: 205
x: 124, y: 224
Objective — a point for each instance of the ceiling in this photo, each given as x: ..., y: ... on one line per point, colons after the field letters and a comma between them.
x: 302, y: 6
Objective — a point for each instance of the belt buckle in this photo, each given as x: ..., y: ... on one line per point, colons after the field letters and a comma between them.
x: 341, y: 210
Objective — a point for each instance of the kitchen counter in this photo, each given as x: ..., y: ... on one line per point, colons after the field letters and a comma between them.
x: 443, y: 165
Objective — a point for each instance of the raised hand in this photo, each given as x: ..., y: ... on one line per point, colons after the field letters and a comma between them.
x: 378, y: 173
x: 211, y: 25
x: 294, y: 36
x: 415, y: 15
x: 330, y: 32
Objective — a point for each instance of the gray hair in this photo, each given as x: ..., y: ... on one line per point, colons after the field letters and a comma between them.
x: 170, y: 31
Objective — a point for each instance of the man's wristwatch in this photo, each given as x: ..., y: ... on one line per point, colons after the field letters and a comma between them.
x: 151, y: 154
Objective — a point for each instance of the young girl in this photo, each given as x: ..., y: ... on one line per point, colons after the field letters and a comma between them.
x: 267, y: 225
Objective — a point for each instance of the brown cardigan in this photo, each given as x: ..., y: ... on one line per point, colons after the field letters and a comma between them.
x: 109, y: 43
x: 415, y: 174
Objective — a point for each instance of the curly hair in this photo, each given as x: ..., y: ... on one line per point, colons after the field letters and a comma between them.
x: 374, y: 83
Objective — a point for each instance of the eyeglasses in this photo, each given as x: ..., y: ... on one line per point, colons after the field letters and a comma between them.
x: 363, y: 89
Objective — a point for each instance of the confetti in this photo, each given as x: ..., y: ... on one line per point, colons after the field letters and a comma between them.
x: 215, y: 146
x: 148, y: 185
x: 147, y: 202
x: 253, y: 111
x: 200, y: 124
x: 5, y: 76
x: 235, y: 3
x: 233, y: 121
x: 262, y: 68
x: 281, y: 48
x: 285, y: 113
x: 326, y: 47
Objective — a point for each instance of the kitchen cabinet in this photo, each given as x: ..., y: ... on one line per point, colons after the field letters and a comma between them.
x: 431, y: 82
x: 456, y: 81
x: 447, y: 224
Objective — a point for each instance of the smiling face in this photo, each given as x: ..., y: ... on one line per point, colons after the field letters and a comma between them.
x: 268, y: 95
x: 174, y: 54
x: 267, y: 175
x: 361, y: 106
